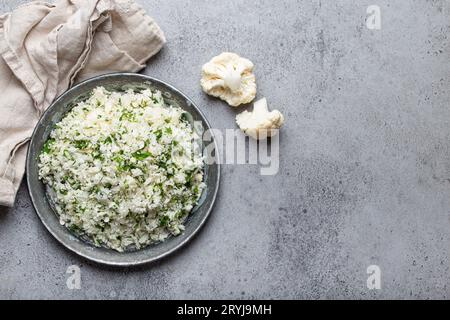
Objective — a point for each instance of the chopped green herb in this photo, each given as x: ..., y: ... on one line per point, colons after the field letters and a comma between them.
x: 141, y: 155
x: 164, y: 221
x: 158, y: 134
x: 126, y: 115
x: 48, y: 146
x: 184, y: 117
x: 81, y: 144
x: 67, y: 154
x: 144, y: 103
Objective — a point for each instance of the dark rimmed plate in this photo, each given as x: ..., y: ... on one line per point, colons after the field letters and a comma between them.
x: 40, y: 198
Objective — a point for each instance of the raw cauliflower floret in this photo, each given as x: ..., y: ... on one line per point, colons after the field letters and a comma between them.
x: 260, y: 123
x: 229, y: 77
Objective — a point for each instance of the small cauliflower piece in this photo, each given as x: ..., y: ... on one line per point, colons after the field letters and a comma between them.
x: 260, y: 123
x: 229, y: 77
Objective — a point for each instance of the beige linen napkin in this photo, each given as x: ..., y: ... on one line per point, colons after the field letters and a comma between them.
x: 46, y: 48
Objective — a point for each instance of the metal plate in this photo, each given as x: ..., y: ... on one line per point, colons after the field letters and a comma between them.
x: 40, y: 199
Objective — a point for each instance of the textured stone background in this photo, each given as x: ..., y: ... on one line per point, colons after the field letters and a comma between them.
x: 365, y: 161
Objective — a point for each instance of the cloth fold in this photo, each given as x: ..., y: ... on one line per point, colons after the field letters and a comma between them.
x: 46, y: 48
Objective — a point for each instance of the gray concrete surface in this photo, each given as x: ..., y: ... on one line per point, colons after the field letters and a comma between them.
x: 365, y: 161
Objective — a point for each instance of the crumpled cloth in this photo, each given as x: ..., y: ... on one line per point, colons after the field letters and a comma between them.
x: 46, y: 48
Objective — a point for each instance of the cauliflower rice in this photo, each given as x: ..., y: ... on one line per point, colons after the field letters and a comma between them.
x: 123, y: 168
